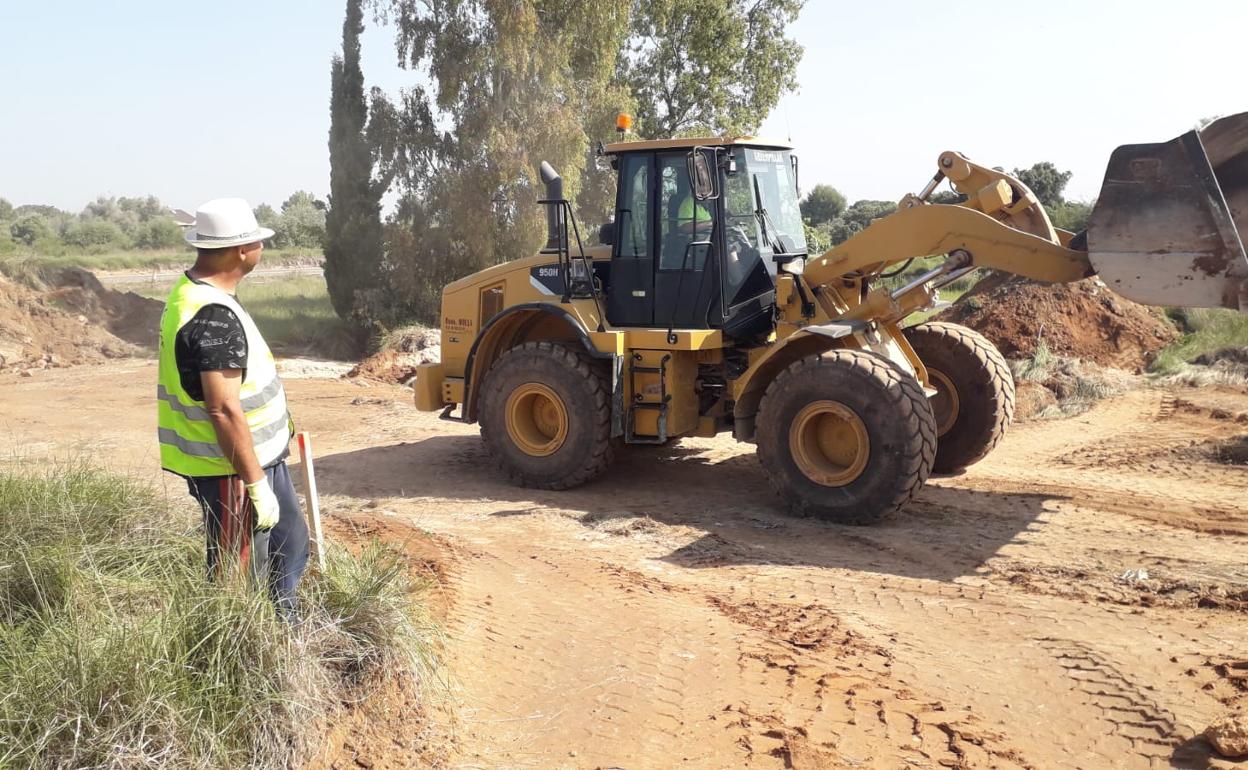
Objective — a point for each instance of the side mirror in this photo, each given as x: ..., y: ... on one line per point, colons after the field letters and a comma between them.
x: 606, y: 234
x: 797, y: 187
x: 702, y: 177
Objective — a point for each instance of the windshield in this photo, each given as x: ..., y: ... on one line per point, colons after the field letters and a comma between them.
x: 773, y: 170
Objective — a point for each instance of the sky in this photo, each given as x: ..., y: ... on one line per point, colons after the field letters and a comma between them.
x: 192, y: 101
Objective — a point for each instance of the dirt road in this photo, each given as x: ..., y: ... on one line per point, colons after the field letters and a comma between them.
x: 1076, y: 601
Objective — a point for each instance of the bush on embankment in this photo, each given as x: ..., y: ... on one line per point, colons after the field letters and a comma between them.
x: 115, y: 651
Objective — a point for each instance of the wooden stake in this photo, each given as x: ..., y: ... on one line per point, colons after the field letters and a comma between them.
x: 317, y: 542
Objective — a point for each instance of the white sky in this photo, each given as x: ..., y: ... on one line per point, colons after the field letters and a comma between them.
x: 195, y: 101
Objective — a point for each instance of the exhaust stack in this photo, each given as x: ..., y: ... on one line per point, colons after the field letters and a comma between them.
x: 1170, y: 224
x: 554, y: 192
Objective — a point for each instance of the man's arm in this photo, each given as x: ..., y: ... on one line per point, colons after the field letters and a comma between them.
x: 225, y: 409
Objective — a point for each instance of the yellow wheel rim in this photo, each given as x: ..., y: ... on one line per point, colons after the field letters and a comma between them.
x: 945, y: 404
x: 537, y: 420
x: 829, y: 443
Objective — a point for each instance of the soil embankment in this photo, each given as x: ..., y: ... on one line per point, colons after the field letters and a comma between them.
x: 72, y: 320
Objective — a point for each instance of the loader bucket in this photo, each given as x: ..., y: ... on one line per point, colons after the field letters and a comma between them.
x: 1171, y: 221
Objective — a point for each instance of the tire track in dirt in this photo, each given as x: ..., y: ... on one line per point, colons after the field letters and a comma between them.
x: 685, y: 621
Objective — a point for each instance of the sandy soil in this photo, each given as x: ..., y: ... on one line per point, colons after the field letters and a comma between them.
x: 1075, y: 601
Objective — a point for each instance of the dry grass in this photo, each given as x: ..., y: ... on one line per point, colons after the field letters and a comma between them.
x: 1077, y: 385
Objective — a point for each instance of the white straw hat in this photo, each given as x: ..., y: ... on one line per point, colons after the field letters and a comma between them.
x: 226, y: 222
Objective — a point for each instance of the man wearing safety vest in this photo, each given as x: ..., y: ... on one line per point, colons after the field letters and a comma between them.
x: 222, y: 420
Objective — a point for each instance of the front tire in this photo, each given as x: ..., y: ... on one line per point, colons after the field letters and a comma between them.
x: 974, y: 401
x: 846, y: 436
x: 546, y: 415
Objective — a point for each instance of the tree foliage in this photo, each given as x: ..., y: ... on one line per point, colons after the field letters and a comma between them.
x: 1071, y: 215
x: 352, y: 227
x: 301, y: 224
x: 29, y: 229
x: 709, y: 66
x: 856, y: 218
x: 822, y: 204
x: 511, y: 83
x: 1046, y: 181
x: 113, y: 224
x: 96, y: 233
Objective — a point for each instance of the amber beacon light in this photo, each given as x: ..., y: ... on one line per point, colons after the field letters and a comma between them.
x: 623, y: 123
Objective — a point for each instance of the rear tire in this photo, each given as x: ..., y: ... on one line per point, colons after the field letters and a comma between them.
x: 546, y: 415
x: 846, y: 436
x: 975, y: 400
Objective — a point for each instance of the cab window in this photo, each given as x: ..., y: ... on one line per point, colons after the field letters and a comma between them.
x: 682, y: 220
x: 633, y: 218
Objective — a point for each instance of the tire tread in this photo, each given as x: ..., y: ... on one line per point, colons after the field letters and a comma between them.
x: 574, y: 358
x: 906, y: 399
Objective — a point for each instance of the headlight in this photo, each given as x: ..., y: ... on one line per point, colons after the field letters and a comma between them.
x: 794, y: 266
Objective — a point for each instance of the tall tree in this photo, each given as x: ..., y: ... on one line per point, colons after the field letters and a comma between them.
x: 513, y: 83
x: 709, y: 66
x: 516, y: 82
x: 353, y: 234
x: 1046, y: 181
x: 822, y: 204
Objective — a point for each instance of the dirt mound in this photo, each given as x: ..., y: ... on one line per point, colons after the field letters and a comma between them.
x: 396, y: 363
x: 73, y: 324
x: 127, y: 315
x: 1080, y: 320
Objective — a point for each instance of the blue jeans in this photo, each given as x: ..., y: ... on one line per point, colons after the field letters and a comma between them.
x: 229, y: 526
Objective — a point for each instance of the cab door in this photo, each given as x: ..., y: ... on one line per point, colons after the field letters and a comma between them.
x: 686, y: 282
x: 630, y: 293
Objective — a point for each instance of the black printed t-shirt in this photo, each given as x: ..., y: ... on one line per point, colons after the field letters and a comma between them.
x: 212, y: 340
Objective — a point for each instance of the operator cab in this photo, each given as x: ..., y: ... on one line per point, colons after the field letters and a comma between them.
x: 701, y: 226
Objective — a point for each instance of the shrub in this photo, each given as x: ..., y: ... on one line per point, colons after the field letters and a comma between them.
x: 158, y: 233
x: 96, y: 234
x: 29, y: 229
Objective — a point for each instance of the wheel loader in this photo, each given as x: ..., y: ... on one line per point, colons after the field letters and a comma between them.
x: 701, y: 311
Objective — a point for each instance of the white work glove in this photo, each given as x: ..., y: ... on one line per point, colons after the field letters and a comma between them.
x: 265, y: 503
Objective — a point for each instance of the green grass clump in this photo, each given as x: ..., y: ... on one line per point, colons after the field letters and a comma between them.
x: 1204, y: 331
x: 115, y: 651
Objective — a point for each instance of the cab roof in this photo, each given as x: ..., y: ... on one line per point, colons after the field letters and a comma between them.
x: 617, y: 148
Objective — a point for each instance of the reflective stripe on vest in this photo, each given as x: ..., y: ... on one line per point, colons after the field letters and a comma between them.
x: 188, y: 440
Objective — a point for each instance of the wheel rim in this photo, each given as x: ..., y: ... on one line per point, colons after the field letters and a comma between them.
x: 537, y: 420
x: 829, y: 443
x: 945, y: 404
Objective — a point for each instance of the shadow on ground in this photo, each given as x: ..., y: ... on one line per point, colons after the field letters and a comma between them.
x: 947, y: 533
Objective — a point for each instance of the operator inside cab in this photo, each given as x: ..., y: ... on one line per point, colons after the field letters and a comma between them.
x: 685, y: 220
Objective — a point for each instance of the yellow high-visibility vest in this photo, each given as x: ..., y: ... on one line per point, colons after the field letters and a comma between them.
x: 689, y: 210
x: 188, y: 441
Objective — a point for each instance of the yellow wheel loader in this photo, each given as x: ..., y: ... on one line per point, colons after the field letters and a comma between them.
x: 702, y: 312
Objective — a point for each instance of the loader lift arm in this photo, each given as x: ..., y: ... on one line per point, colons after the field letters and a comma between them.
x: 1168, y: 228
